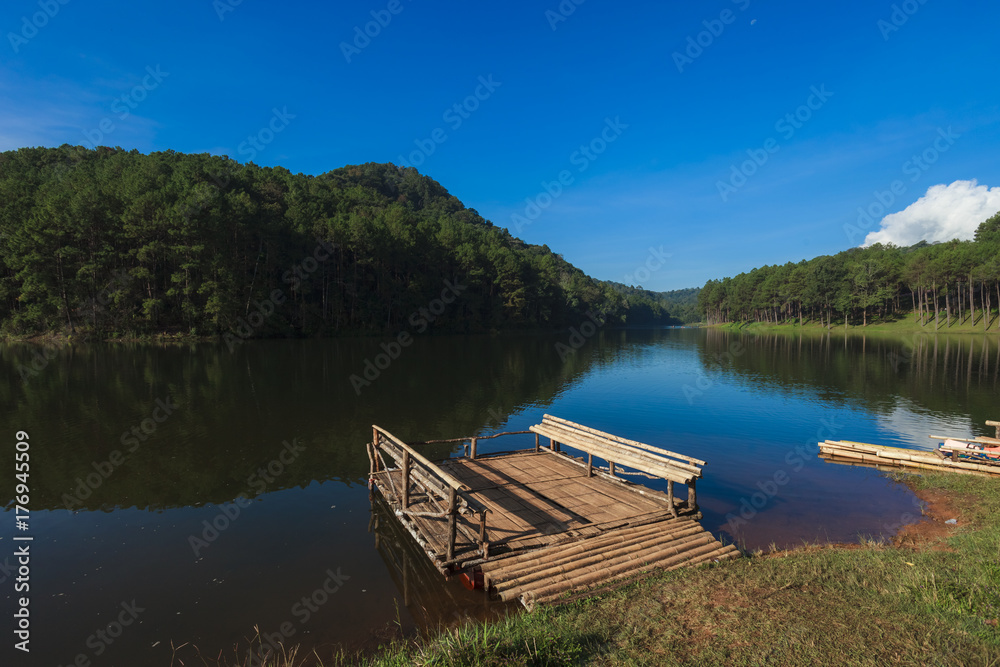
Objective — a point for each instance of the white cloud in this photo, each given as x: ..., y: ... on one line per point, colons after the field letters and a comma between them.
x: 946, y: 212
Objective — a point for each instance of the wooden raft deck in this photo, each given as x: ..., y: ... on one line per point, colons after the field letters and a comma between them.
x: 535, y: 524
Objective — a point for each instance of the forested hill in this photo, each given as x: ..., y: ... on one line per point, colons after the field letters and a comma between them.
x: 110, y: 242
x: 940, y: 284
x: 681, y: 306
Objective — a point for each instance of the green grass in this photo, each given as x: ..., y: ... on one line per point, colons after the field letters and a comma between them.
x: 906, y: 325
x: 866, y: 604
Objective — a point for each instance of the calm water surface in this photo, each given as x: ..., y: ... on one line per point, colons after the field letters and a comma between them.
x: 133, y: 501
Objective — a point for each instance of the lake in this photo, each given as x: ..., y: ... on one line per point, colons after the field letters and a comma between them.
x: 186, y: 493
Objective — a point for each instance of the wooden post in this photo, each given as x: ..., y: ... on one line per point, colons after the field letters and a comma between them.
x: 452, y: 521
x: 472, y: 450
x: 611, y: 468
x: 482, y: 535
x: 670, y: 498
x: 590, y: 464
x: 375, y: 447
x: 692, y: 498
x: 406, y: 479
x: 536, y: 442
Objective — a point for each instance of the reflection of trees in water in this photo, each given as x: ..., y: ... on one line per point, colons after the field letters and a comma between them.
x: 941, y: 373
x: 236, y: 409
x: 433, y: 602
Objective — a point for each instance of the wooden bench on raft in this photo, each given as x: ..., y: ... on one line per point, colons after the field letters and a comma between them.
x: 618, y: 451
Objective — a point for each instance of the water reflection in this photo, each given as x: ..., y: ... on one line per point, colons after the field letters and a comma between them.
x: 742, y: 403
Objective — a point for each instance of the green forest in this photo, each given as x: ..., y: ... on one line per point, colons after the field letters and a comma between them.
x: 938, y: 285
x: 111, y: 243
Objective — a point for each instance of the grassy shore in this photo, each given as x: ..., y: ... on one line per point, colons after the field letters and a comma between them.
x: 932, y: 598
x: 905, y: 326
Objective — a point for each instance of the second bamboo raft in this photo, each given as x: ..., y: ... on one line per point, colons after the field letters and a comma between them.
x: 897, y: 456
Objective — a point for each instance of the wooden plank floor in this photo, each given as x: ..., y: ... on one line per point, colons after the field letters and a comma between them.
x: 544, y: 508
x: 535, y: 498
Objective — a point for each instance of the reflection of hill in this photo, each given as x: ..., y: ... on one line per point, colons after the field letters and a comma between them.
x: 939, y: 373
x: 236, y: 409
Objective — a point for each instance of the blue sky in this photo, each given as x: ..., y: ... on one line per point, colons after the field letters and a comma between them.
x: 643, y: 109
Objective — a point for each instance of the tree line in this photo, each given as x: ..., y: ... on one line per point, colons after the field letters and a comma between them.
x: 938, y: 284
x: 109, y: 242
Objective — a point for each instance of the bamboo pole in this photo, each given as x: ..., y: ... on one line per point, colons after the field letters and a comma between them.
x: 980, y: 439
x: 727, y: 552
x: 571, y: 562
x: 692, y: 500
x: 448, y: 479
x: 554, y: 554
x: 653, y: 560
x: 575, y: 544
x: 639, y: 460
x: 607, y: 568
x: 634, y: 443
x: 898, y: 454
x: 609, y: 443
x: 452, y: 521
x: 406, y: 480
x: 670, y: 497
x: 923, y: 463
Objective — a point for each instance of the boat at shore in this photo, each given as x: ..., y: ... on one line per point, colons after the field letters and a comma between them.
x: 975, y: 456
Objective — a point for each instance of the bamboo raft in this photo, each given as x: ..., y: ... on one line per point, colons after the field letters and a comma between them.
x: 536, y: 524
x: 846, y: 451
